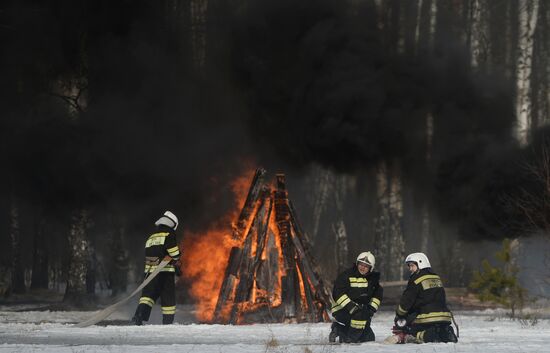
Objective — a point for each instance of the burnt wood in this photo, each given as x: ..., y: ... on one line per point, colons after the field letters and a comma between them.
x: 304, y: 297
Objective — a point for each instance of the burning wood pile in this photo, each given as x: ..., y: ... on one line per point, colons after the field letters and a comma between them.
x: 271, y: 275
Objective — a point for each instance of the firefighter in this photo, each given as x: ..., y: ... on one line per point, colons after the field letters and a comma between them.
x: 357, y: 295
x: 159, y: 244
x: 422, y: 310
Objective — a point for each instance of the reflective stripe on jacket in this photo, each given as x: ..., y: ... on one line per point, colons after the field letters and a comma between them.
x: 352, y: 287
x: 158, y: 245
x: 424, y: 298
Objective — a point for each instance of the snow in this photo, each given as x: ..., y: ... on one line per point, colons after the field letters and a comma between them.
x: 45, y: 331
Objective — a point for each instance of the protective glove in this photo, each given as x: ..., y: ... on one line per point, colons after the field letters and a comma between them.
x: 369, y: 311
x: 400, y: 321
x: 355, y: 308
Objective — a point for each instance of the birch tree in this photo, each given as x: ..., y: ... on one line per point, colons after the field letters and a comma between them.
x: 433, y: 22
x: 389, y: 242
x: 323, y: 179
x: 541, y: 65
x: 79, y: 251
x: 478, y: 33
x: 528, y: 15
x: 339, y: 226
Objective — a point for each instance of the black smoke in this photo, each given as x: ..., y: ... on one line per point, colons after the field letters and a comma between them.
x: 153, y: 133
x: 326, y: 86
x: 284, y: 83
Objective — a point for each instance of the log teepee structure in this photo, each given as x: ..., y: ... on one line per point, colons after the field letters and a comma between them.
x: 271, y: 276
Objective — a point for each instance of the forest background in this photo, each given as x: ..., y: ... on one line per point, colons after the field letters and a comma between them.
x: 401, y: 126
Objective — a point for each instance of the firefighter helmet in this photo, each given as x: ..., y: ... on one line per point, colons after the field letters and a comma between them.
x: 168, y: 219
x: 367, y: 258
x: 420, y: 259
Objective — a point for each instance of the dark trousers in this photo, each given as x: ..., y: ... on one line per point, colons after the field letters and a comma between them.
x: 162, y: 286
x: 436, y: 332
x: 355, y: 328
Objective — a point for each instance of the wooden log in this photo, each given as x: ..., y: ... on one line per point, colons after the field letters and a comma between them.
x: 288, y: 295
x: 235, y: 257
x: 310, y: 308
x: 244, y: 276
x: 300, y: 303
x: 320, y: 289
x: 282, y: 215
x: 273, y: 264
x: 262, y: 275
x: 282, y: 218
x: 309, y: 265
x: 228, y: 284
x: 248, y: 207
x: 262, y: 226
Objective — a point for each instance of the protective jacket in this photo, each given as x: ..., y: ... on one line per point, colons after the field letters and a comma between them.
x: 352, y: 288
x: 158, y: 245
x: 356, y: 299
x: 423, y: 301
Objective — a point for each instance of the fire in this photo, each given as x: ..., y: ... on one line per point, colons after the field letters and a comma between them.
x: 204, y: 263
x: 258, y: 266
x: 205, y: 255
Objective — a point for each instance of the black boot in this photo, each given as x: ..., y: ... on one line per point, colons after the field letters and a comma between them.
x: 167, y: 319
x: 367, y: 335
x: 137, y: 320
x: 142, y: 314
x: 333, y: 332
x: 447, y: 334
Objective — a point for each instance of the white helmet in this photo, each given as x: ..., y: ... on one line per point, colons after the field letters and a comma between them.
x: 420, y: 259
x: 367, y: 258
x: 168, y: 219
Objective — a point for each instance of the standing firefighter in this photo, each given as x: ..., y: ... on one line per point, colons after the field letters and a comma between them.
x: 160, y: 244
x: 422, y: 314
x: 357, y: 294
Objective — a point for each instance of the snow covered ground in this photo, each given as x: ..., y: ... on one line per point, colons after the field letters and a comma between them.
x: 45, y: 331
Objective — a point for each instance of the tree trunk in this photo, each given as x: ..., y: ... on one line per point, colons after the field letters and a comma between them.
x: 389, y: 240
x: 528, y: 14
x: 478, y: 34
x: 118, y: 269
x: 322, y: 184
x: 91, y: 269
x: 17, y: 269
x: 198, y: 32
x: 424, y: 209
x: 417, y: 29
x: 339, y: 226
x: 40, y: 265
x: 433, y: 24
x: 510, y: 38
x: 408, y: 33
x: 541, y: 65
x: 76, y: 292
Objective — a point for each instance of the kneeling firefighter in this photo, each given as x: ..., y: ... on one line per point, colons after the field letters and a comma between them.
x: 422, y: 313
x: 357, y: 294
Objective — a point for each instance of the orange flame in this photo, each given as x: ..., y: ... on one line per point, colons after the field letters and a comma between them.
x: 206, y: 255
